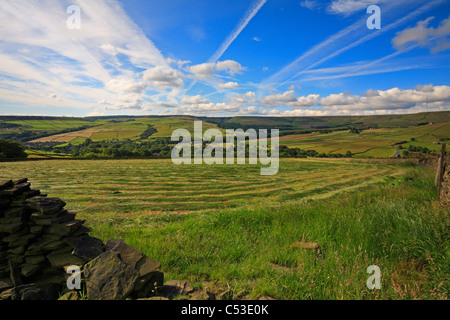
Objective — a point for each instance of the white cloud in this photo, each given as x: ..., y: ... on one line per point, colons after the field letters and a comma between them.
x: 163, y: 77
x: 229, y: 66
x: 194, y: 100
x: 203, y: 70
x: 229, y: 85
x: 347, y: 7
x: 208, y: 70
x: 278, y: 99
x: 125, y: 86
x: 424, y: 36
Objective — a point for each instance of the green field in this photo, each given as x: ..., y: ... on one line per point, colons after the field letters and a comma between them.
x: 229, y: 230
x: 374, y: 143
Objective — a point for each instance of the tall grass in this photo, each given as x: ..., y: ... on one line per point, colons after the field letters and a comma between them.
x: 247, y: 252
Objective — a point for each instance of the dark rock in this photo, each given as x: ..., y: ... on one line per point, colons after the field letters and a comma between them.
x: 63, y: 259
x: 14, y: 275
x: 23, y: 180
x: 28, y: 269
x: 5, y: 184
x: 6, y: 294
x: 65, y: 228
x: 145, y: 287
x: 34, y: 291
x: 88, y: 248
x: 11, y: 227
x: 5, y: 283
x: 65, y: 216
x: 111, y: 243
x: 128, y: 254
x: 25, y: 186
x: 175, y: 288
x: 73, y: 241
x: 109, y: 278
x: 46, y: 206
x: 9, y: 192
x: 14, y: 212
x: 36, y: 259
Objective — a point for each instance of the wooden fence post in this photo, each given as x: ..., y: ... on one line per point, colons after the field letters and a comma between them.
x: 440, y: 171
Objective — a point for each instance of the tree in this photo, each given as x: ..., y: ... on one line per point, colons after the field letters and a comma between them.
x: 11, y: 150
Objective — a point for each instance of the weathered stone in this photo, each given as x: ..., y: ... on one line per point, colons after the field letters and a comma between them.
x: 145, y: 287
x: 54, y: 245
x: 109, y: 278
x: 14, y: 275
x: 50, y: 236
x: 6, y: 294
x: 9, y: 192
x: 17, y: 250
x: 111, y: 243
x: 36, y: 229
x: 24, y: 186
x: 81, y: 232
x: 46, y: 206
x: 65, y: 228
x: 175, y: 288
x: 36, y: 259
x: 14, y: 212
x: 128, y: 254
x: 29, y: 269
x: 146, y: 268
x: 4, y: 203
x: 17, y: 260
x: 5, y: 283
x: 19, y: 240
x: 88, y: 248
x: 147, y: 265
x: 45, y: 221
x: 5, y: 184
x: 11, y: 227
x: 34, y: 291
x: 63, y: 259
x: 38, y: 247
x: 64, y: 249
x: 73, y: 241
x: 22, y: 180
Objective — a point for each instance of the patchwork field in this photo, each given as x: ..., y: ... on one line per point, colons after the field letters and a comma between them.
x: 138, y: 187
x: 128, y: 129
x: 370, y: 143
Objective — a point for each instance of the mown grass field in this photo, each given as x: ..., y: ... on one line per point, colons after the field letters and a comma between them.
x: 231, y: 231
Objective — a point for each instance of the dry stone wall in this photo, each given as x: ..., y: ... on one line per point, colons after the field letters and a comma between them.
x: 40, y: 238
x: 445, y: 186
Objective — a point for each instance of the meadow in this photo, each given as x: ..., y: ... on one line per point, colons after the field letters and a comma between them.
x: 236, y: 233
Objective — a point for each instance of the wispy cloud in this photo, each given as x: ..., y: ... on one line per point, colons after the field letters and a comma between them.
x: 342, y: 41
x: 37, y: 47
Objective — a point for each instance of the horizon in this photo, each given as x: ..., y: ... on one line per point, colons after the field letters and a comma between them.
x: 236, y: 116
x: 221, y: 58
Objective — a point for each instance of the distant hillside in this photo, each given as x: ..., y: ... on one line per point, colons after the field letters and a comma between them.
x: 76, y: 130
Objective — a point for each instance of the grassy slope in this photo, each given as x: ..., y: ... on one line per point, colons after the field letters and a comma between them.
x: 246, y: 249
x: 248, y: 252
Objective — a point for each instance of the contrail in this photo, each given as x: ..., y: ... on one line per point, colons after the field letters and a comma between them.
x: 251, y: 12
x: 330, y: 44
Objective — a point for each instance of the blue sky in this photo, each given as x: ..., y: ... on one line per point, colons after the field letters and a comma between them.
x: 223, y: 57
